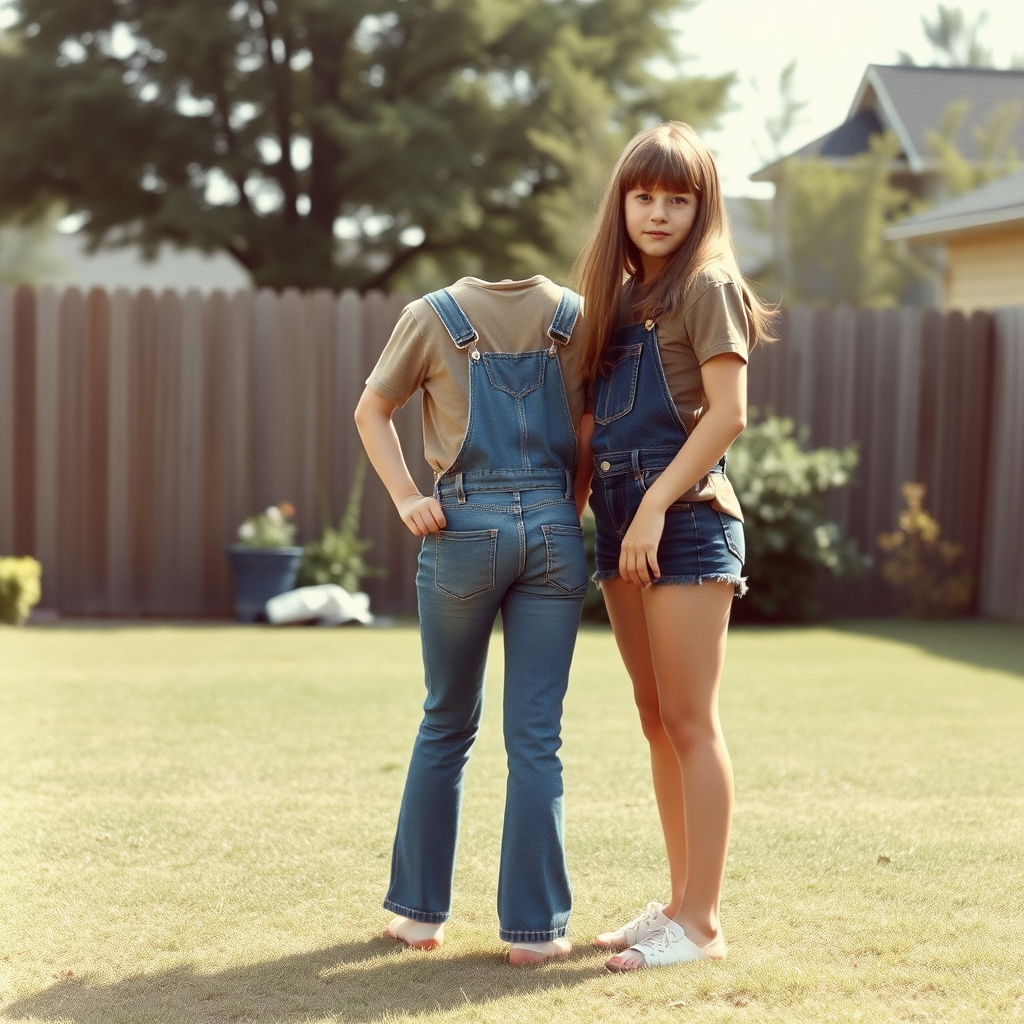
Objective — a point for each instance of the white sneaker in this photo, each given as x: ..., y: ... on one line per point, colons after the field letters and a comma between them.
x: 636, y: 931
x: 664, y: 947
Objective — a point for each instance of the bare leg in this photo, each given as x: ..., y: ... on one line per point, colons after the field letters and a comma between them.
x: 686, y: 629
x: 629, y: 622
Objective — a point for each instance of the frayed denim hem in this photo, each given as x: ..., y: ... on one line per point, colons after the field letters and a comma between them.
x: 739, y: 582
x: 415, y: 915
x: 554, y: 933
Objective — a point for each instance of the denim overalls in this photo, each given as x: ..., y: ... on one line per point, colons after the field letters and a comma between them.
x: 513, y: 544
x: 637, y: 433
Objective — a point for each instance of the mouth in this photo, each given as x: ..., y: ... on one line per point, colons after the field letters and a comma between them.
x: 657, y: 234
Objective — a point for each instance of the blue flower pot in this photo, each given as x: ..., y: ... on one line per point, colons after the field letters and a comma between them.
x: 259, y: 575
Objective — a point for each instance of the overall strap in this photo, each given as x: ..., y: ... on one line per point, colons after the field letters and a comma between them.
x: 564, y: 320
x: 455, y: 321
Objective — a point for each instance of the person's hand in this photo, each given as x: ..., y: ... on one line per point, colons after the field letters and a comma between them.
x: 638, y: 555
x: 422, y: 514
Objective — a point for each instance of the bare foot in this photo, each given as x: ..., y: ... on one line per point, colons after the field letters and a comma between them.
x: 416, y: 934
x: 521, y: 954
x: 628, y: 960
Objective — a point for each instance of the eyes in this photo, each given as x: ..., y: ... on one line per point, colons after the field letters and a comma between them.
x: 680, y: 199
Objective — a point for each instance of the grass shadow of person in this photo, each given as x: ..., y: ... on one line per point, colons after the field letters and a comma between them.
x: 359, y: 981
x: 984, y: 644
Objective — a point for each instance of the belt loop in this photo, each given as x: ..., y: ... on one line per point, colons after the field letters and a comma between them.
x: 568, y: 484
x: 635, y: 459
x: 459, y: 489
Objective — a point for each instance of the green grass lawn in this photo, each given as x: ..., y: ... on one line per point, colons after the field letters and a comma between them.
x: 196, y: 822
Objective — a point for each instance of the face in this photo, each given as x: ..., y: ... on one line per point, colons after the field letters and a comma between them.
x: 658, y: 222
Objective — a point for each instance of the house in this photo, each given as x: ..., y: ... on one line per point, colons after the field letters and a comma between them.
x: 912, y: 102
x: 982, y: 234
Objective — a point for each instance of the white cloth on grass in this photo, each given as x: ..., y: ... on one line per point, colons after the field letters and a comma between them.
x: 327, y: 603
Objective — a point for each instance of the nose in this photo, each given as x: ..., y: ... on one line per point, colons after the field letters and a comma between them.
x: 659, y: 214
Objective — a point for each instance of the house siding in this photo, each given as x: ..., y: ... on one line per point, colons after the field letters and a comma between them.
x: 985, y: 271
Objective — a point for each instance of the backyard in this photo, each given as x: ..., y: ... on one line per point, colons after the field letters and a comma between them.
x: 197, y: 821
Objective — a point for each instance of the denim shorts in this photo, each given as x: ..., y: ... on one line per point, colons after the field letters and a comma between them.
x: 698, y: 545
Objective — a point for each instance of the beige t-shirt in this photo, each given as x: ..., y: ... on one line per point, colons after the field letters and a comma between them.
x: 710, y: 321
x: 508, y: 316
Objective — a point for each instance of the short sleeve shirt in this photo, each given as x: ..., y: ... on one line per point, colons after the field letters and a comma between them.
x: 508, y: 316
x: 710, y: 321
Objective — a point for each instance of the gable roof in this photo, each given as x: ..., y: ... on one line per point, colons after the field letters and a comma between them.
x: 912, y: 101
x: 916, y: 99
x: 996, y: 203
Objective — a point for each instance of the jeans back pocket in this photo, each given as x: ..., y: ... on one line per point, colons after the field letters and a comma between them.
x: 566, y: 558
x: 464, y: 561
x: 615, y: 387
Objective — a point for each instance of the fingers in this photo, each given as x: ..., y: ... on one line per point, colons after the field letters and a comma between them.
x: 424, y: 517
x: 433, y: 516
x: 639, y: 565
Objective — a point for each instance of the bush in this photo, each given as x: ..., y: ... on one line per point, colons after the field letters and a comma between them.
x: 790, y: 540
x: 338, y: 556
x: 19, y: 588
x: 921, y: 563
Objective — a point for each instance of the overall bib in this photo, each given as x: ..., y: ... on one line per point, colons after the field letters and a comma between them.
x: 637, y: 433
x: 513, y: 544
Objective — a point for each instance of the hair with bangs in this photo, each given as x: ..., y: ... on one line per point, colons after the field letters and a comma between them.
x: 671, y: 157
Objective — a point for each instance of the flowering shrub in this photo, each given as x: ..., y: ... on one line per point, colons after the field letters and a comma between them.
x: 790, y: 539
x: 19, y: 588
x: 922, y: 563
x: 270, y: 528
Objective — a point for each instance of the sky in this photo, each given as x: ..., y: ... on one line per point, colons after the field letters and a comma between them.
x: 833, y: 41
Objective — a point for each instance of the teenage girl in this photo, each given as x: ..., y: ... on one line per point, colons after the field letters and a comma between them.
x: 503, y: 396
x: 668, y: 325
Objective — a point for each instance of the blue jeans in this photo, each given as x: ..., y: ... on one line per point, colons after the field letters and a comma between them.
x: 520, y: 553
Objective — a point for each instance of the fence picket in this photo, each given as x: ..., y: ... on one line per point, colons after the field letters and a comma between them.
x: 7, y: 383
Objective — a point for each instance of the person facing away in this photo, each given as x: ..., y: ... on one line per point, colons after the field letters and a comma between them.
x: 668, y: 324
x: 503, y: 397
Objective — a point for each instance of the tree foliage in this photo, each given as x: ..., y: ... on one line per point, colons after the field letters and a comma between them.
x: 834, y: 219
x: 997, y: 156
x: 335, y: 142
x: 791, y: 542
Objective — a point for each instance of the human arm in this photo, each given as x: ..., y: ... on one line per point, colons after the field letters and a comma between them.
x: 724, y: 380
x: 585, y: 468
x: 421, y: 513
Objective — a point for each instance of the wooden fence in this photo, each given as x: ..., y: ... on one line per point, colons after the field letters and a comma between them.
x: 138, y: 430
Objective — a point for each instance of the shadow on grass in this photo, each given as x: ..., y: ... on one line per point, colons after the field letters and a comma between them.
x: 360, y: 981
x: 994, y: 645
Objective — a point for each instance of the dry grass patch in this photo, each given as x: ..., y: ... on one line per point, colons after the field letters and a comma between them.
x: 197, y: 821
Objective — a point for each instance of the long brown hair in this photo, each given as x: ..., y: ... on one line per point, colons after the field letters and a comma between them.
x: 669, y: 156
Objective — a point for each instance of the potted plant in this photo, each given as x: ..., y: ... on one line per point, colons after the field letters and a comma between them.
x: 265, y: 561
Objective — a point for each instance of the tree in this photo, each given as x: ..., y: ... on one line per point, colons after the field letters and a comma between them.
x: 997, y: 156
x: 955, y: 42
x: 833, y: 221
x: 332, y: 143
